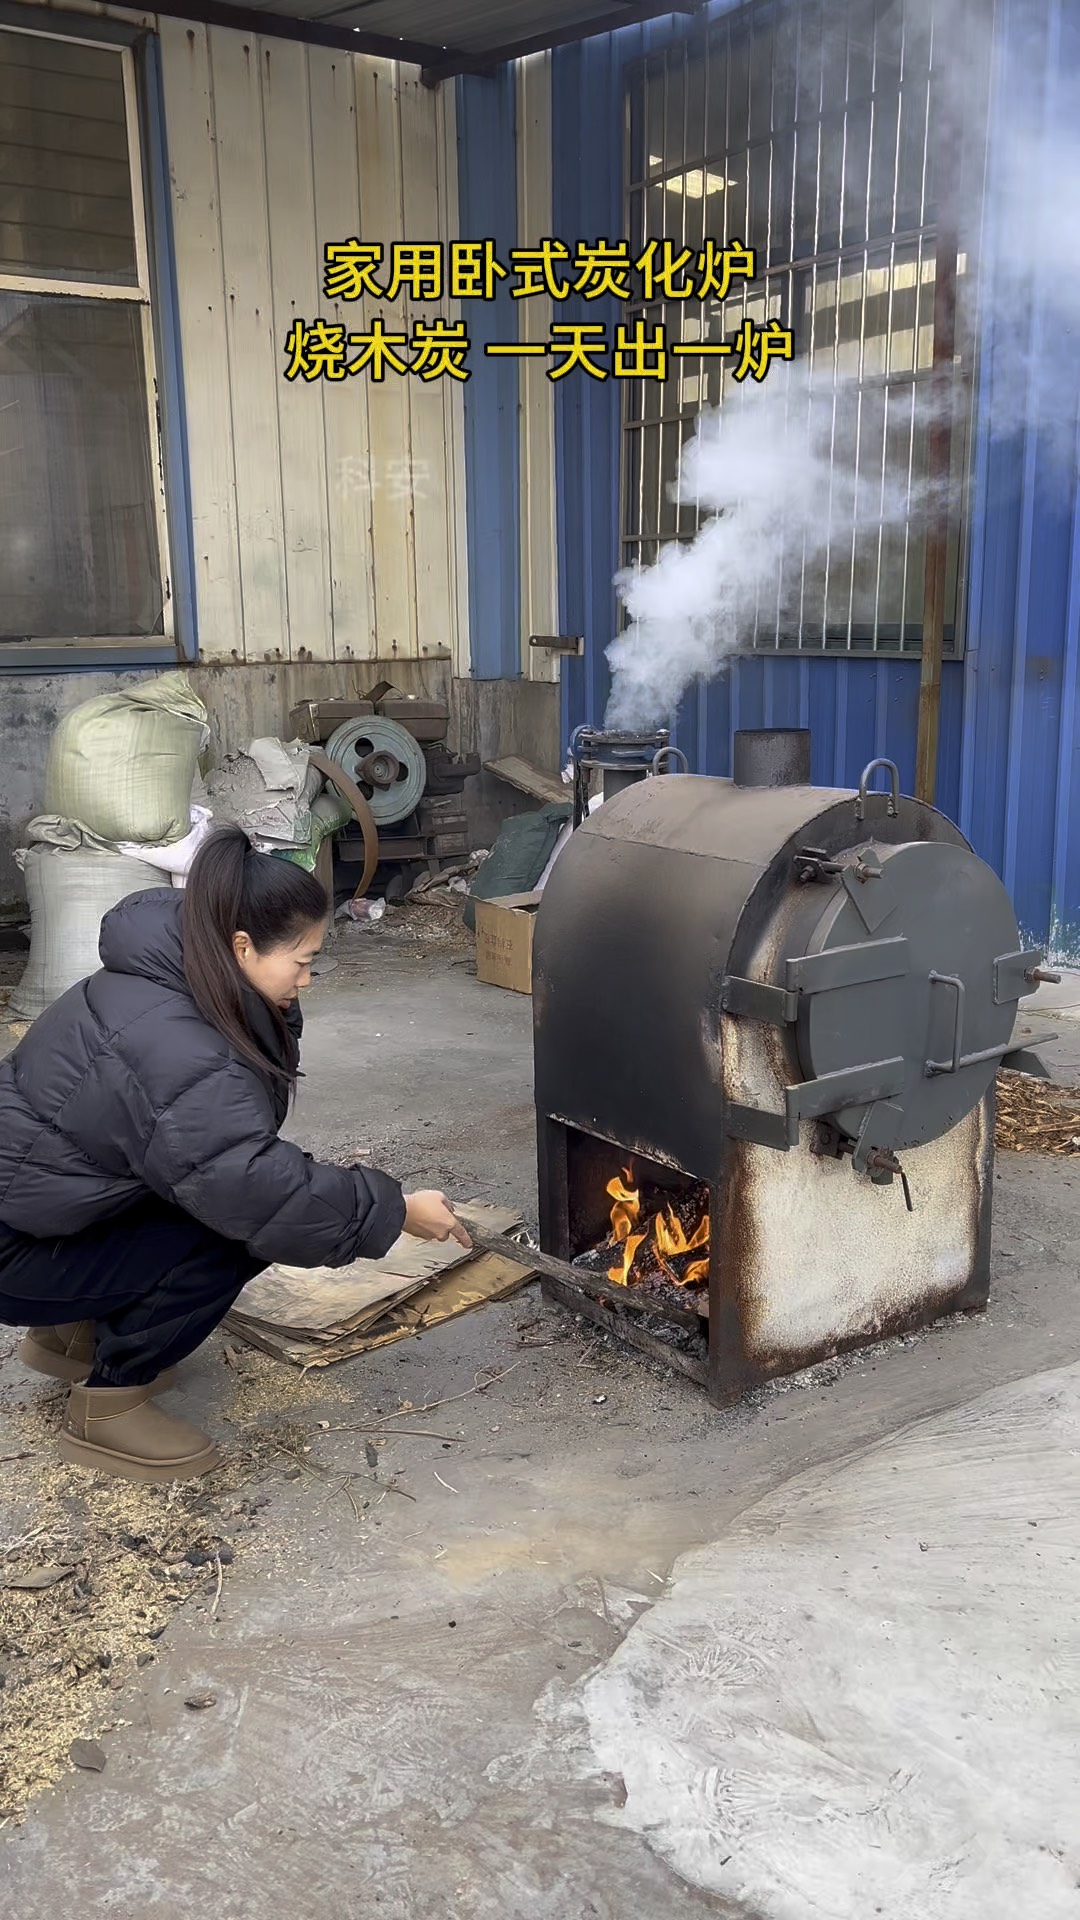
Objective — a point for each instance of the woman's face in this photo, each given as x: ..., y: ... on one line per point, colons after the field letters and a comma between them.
x: 280, y: 973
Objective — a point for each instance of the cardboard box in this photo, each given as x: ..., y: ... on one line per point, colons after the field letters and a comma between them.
x: 504, y: 940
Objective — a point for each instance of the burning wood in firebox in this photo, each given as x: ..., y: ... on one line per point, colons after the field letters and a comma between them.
x: 661, y: 1237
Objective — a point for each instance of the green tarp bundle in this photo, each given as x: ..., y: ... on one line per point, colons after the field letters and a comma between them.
x: 518, y: 858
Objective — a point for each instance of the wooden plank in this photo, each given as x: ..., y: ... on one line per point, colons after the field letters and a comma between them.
x: 539, y: 561
x: 332, y: 107
x: 296, y: 295
x: 622, y: 1300
x: 204, y: 346
x: 254, y: 363
x: 424, y: 220
x: 382, y: 219
x: 545, y: 787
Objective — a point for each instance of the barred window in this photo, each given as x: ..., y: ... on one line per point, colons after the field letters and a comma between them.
x: 82, y: 555
x: 809, y: 133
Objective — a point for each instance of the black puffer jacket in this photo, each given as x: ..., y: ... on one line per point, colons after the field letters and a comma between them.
x: 122, y: 1089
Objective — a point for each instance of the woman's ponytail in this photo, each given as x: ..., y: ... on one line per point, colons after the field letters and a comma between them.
x: 232, y: 889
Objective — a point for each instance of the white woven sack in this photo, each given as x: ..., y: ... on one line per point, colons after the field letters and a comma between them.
x: 69, y: 894
x: 123, y: 764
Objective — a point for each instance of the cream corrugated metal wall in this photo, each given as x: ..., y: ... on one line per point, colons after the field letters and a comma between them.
x: 539, y: 550
x: 328, y: 516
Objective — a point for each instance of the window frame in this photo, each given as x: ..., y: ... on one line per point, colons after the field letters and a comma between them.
x: 149, y: 292
x: 775, y: 286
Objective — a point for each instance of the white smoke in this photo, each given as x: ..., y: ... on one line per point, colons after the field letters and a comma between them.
x: 1030, y: 317
x: 774, y: 467
x: 770, y: 468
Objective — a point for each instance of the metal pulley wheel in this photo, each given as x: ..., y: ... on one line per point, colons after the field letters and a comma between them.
x: 385, y: 762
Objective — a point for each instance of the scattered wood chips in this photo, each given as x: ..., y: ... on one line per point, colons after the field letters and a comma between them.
x: 1036, y: 1116
x: 92, y: 1569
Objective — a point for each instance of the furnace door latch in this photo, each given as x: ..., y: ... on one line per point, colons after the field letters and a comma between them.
x: 813, y: 863
x: 1016, y: 974
x: 883, y: 1168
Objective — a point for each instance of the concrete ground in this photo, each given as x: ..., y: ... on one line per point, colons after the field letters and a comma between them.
x: 391, y: 1732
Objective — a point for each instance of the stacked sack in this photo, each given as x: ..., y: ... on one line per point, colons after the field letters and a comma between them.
x: 278, y: 797
x: 118, y: 819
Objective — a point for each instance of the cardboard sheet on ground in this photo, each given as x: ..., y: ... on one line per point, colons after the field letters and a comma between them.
x: 315, y: 1315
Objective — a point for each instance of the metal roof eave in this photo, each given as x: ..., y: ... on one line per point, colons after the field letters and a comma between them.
x: 436, y: 63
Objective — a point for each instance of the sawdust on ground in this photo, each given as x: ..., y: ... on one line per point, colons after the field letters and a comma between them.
x: 126, y: 1559
x: 426, y: 927
x: 1036, y: 1116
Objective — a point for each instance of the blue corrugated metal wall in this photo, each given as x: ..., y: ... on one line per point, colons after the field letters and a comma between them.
x: 1020, y: 786
x: 487, y: 210
x: 1009, y: 758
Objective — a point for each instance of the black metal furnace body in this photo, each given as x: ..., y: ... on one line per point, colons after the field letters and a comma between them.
x: 799, y: 998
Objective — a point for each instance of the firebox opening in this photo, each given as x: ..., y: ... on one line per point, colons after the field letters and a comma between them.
x: 637, y: 1223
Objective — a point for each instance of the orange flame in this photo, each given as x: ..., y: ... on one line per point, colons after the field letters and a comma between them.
x: 625, y: 1215
x: 669, y: 1237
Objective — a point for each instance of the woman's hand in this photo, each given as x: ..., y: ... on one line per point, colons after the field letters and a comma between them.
x: 429, y: 1216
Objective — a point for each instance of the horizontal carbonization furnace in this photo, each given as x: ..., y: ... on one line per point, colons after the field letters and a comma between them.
x: 768, y: 1019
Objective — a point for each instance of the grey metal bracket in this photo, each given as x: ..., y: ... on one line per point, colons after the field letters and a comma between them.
x: 874, y: 1084
x: 1025, y: 1060
x: 756, y: 1125
x: 854, y: 966
x: 868, y: 890
x: 752, y: 1000
x: 849, y: 1087
x: 813, y: 973
x: 1012, y: 973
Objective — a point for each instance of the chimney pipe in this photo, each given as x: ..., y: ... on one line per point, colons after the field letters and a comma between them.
x: 771, y: 757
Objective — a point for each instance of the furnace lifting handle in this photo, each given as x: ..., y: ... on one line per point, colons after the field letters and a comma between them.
x: 669, y: 753
x: 960, y: 1059
x: 894, y: 781
x: 957, y: 985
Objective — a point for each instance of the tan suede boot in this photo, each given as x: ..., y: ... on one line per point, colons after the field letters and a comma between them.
x: 67, y: 1353
x: 120, y: 1430
x: 64, y: 1353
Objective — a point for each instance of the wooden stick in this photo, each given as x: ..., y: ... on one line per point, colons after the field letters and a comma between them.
x: 623, y: 1327
x: 480, y: 1387
x: 413, y: 1433
x: 597, y: 1288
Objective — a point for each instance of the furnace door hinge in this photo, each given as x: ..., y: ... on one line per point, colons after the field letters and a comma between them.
x: 850, y: 1087
x: 860, y: 965
x: 875, y: 1082
x: 834, y: 968
x: 752, y: 1000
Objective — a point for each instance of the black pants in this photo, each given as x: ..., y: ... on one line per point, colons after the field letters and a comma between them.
x: 154, y: 1282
